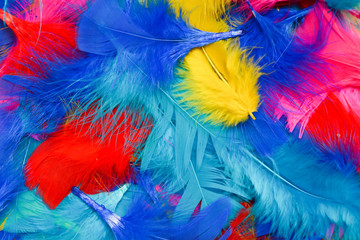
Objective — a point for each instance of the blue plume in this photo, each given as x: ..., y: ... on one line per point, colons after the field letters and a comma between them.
x: 151, y: 37
x: 11, y: 179
x: 290, y: 64
x: 300, y: 195
x: 7, y: 236
x: 7, y: 36
x: 208, y: 223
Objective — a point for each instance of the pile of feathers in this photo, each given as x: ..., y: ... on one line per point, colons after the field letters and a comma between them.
x: 180, y: 119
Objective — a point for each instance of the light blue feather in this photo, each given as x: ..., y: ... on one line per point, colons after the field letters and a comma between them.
x: 343, y: 4
x: 299, y: 194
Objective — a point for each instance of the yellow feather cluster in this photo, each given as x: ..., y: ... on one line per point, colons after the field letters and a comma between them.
x: 226, y: 93
x: 218, y: 82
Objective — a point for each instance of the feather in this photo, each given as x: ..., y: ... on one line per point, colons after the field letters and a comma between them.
x: 339, y: 53
x: 72, y: 218
x: 11, y: 180
x: 154, y: 222
x: 292, y: 69
x: 31, y: 219
x: 341, y: 45
x: 263, y: 6
x: 339, y: 134
x: 343, y: 5
x: 243, y: 226
x: 220, y: 63
x: 217, y: 95
x: 151, y: 37
x: 85, y: 152
x: 206, y: 15
x: 45, y: 32
x: 297, y: 204
x: 349, y: 97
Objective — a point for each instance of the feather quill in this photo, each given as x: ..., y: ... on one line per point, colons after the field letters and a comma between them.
x: 151, y: 37
x: 94, y: 154
x: 30, y: 218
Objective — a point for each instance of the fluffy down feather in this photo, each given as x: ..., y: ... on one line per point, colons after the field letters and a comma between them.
x: 93, y: 154
x: 45, y: 32
x: 222, y: 95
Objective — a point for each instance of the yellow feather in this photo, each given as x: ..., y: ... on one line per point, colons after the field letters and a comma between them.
x: 221, y: 88
x: 206, y: 15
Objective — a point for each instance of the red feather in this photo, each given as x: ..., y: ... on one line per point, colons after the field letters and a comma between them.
x: 94, y: 155
x: 333, y: 125
x: 45, y: 32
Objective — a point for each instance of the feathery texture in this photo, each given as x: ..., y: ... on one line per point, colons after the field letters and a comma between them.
x: 296, y: 203
x: 206, y: 15
x: 151, y: 37
x: 292, y: 68
x: 339, y: 53
x: 339, y: 134
x: 30, y: 218
x: 344, y: 4
x: 219, y: 96
x: 94, y: 154
x: 45, y: 32
x: 266, y: 5
x: 11, y: 180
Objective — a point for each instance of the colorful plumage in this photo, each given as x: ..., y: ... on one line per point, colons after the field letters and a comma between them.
x: 179, y: 119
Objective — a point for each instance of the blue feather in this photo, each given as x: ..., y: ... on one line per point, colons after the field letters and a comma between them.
x: 290, y: 64
x: 301, y: 195
x: 343, y: 4
x: 11, y: 179
x: 151, y: 37
x: 7, y: 236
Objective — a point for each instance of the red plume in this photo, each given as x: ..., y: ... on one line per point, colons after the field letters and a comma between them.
x: 333, y: 125
x: 94, y: 155
x: 45, y: 32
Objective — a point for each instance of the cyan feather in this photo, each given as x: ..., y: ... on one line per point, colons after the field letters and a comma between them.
x: 30, y: 218
x: 300, y: 195
x: 151, y: 36
x: 343, y: 4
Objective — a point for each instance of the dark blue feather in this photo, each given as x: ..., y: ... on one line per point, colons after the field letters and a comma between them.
x: 292, y: 67
x: 151, y: 37
x: 11, y: 179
